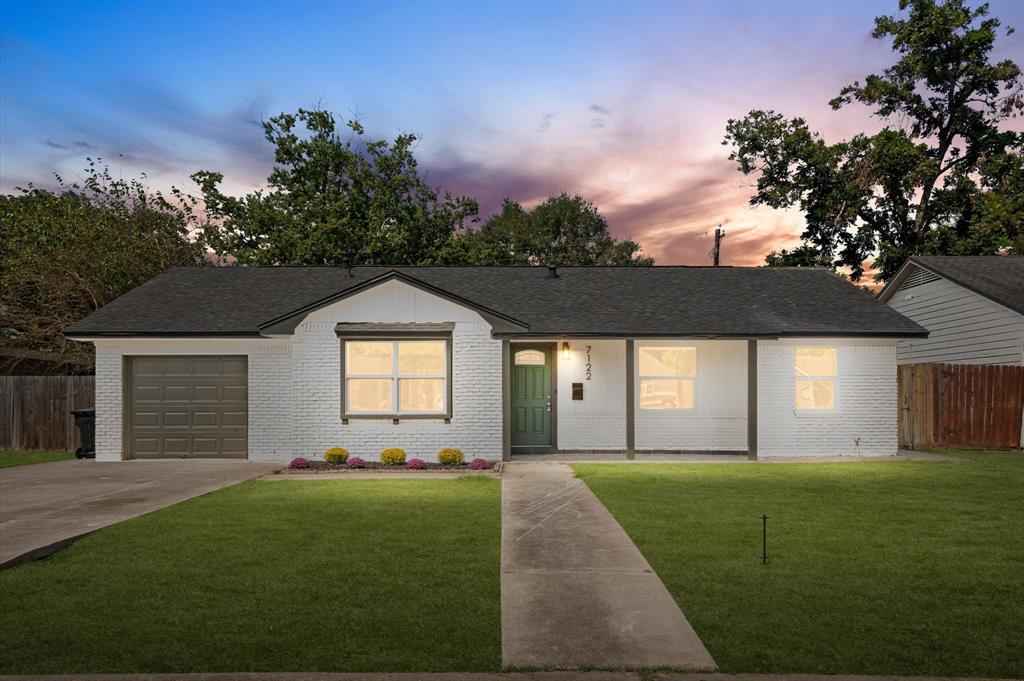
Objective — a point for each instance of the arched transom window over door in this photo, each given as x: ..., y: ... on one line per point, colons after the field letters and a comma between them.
x: 530, y: 358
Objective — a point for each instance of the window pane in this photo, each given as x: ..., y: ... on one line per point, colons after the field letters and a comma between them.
x: 530, y: 358
x: 416, y: 358
x: 666, y: 394
x: 815, y: 394
x: 421, y: 394
x: 369, y: 395
x: 815, y: 361
x: 368, y: 357
x: 668, y: 361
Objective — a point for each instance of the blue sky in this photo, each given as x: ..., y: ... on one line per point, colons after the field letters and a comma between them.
x: 624, y: 103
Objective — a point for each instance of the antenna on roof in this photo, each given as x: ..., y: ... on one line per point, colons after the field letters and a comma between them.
x: 717, y: 249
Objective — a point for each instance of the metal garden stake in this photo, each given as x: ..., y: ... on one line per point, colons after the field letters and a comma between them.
x: 764, y: 540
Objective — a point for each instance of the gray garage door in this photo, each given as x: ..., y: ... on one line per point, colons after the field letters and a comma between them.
x: 184, y: 406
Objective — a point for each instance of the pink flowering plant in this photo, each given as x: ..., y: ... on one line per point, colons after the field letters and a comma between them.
x: 479, y: 464
x: 416, y: 464
x: 356, y: 462
x: 299, y: 462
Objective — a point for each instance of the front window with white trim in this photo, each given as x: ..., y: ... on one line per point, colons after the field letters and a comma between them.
x: 396, y: 377
x: 814, y: 378
x: 666, y: 376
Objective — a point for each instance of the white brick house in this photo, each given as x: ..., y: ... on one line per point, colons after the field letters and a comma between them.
x: 272, y: 363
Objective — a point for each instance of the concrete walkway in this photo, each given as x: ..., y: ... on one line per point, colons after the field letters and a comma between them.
x: 575, y: 591
x: 44, y: 507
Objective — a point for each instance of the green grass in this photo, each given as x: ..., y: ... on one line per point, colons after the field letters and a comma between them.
x: 875, y: 568
x: 13, y: 457
x: 361, y: 575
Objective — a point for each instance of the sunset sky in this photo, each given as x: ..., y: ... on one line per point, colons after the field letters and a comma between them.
x: 623, y: 103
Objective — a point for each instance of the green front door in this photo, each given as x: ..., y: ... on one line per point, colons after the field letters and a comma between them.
x: 531, y: 395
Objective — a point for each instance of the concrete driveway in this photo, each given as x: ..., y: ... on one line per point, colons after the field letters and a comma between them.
x: 44, y: 507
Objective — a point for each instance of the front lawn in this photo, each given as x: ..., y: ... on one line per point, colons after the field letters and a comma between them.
x: 15, y: 457
x: 875, y: 568
x: 341, y: 575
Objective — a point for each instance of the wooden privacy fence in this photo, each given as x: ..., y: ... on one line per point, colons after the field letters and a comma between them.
x: 960, y: 405
x: 35, y: 410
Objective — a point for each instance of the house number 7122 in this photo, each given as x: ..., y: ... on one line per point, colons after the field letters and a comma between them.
x: 589, y: 373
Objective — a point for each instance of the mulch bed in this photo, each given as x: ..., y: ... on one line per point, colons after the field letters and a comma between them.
x: 324, y: 467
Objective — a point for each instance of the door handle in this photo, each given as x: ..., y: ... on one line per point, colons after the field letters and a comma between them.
x: 549, y: 406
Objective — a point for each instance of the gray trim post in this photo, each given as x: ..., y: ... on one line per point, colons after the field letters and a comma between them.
x: 506, y: 401
x: 630, y: 401
x: 752, y: 399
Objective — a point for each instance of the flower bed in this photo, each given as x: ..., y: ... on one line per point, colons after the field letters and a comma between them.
x: 377, y: 466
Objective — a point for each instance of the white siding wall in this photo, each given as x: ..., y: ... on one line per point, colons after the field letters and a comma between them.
x: 864, y: 421
x: 599, y: 420
x: 475, y: 426
x: 718, y: 420
x: 964, y: 327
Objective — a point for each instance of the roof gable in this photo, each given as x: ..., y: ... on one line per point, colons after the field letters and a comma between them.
x: 1000, y: 278
x: 285, y: 324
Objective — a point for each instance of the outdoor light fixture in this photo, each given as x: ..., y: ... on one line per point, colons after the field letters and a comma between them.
x: 565, y: 349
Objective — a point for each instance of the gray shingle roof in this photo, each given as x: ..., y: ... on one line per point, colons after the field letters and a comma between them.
x: 997, y: 277
x: 207, y: 301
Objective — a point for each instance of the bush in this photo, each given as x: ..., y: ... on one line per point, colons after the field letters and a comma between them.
x: 299, y: 462
x: 336, y: 455
x: 393, y: 456
x: 356, y: 462
x: 479, y: 464
x: 416, y: 464
x: 450, y: 457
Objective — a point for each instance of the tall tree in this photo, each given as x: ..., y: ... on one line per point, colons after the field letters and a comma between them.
x: 942, y: 176
x: 66, y: 253
x: 333, y: 200
x: 563, y: 230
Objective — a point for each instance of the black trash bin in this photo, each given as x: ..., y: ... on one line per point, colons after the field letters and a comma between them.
x: 85, y: 419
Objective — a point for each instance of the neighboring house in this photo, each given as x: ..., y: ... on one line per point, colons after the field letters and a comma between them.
x: 972, y: 306
x: 276, y: 362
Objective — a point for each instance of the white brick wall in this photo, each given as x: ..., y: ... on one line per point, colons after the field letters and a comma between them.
x: 294, y: 384
x: 864, y: 421
x: 272, y: 434
x: 475, y: 426
x: 109, y: 401
x: 294, y: 392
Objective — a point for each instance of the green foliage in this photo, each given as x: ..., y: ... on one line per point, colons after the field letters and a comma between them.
x: 333, y: 200
x: 13, y: 457
x: 941, y: 177
x: 450, y: 457
x: 563, y: 230
x: 393, y: 456
x: 801, y: 256
x: 336, y: 455
x: 66, y: 253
